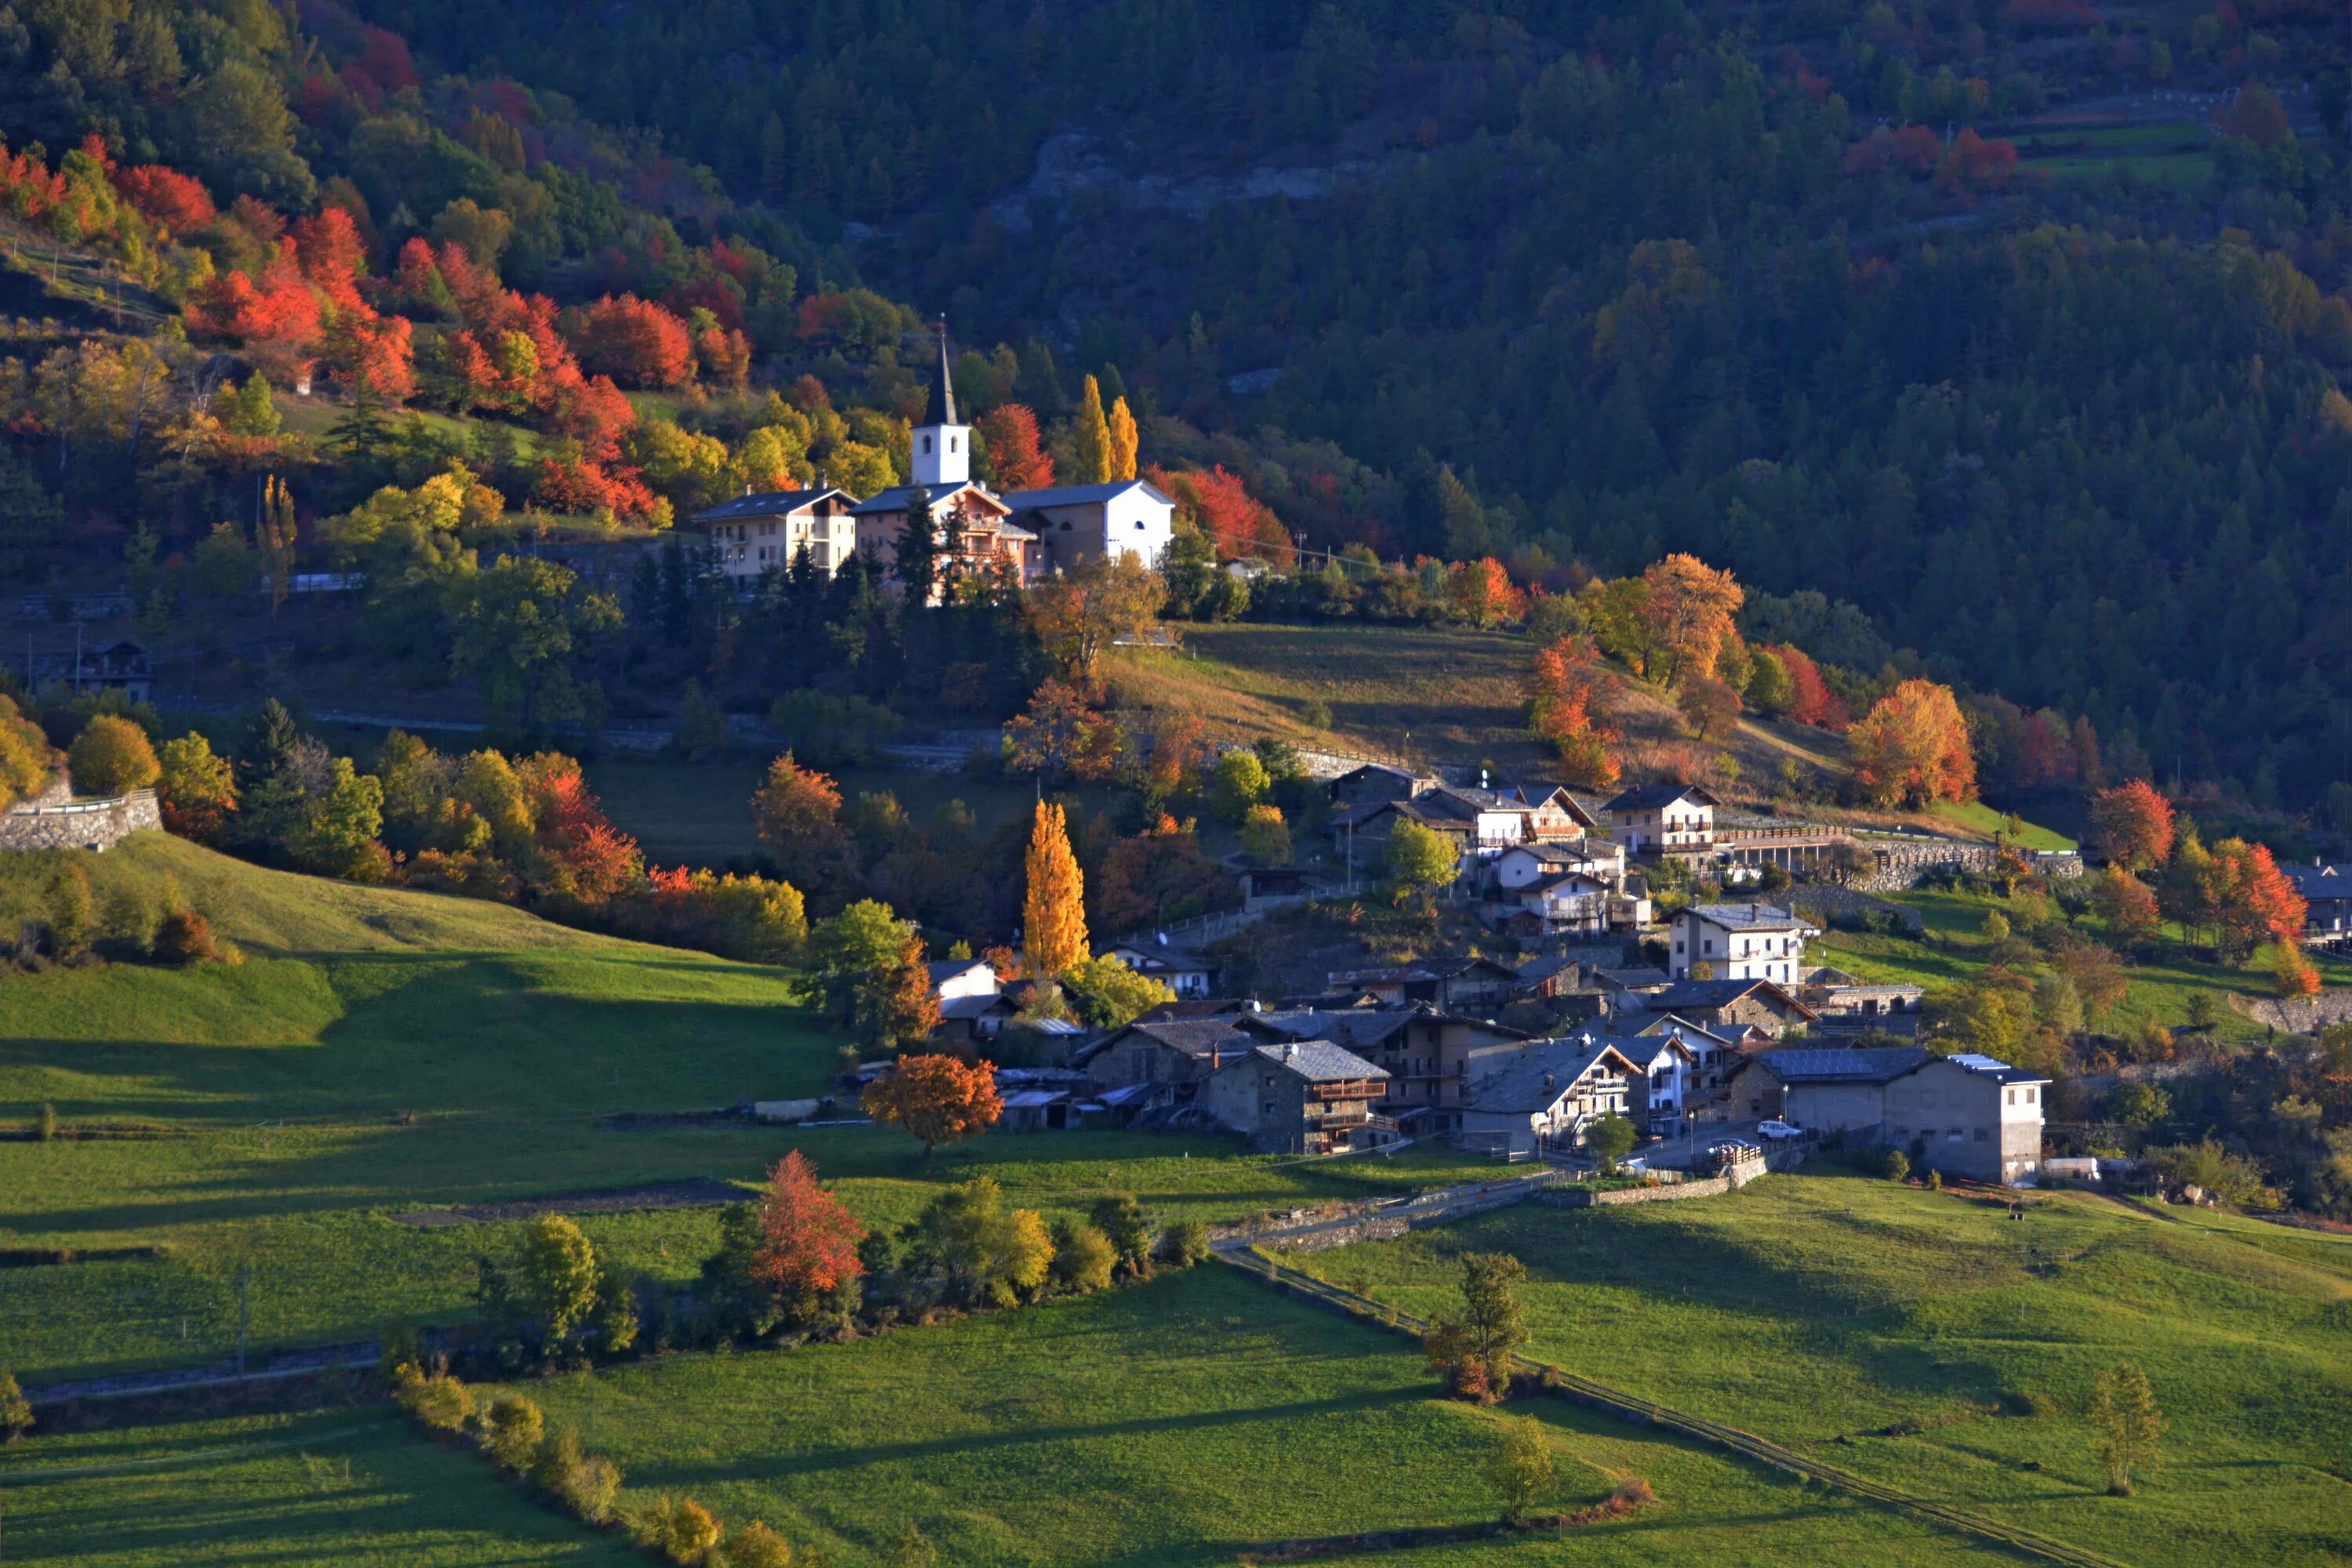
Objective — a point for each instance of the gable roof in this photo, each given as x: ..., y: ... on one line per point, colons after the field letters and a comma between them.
x: 1750, y: 917
x: 1081, y: 495
x: 1319, y: 1061
x: 1646, y: 797
x: 1643, y: 1050
x: 1191, y: 1036
x: 1641, y: 979
x: 941, y: 968
x: 963, y: 1007
x: 2319, y: 882
x: 1847, y: 1064
x: 894, y: 498
x: 1544, y: 1074
x: 1708, y: 995
x: 766, y: 503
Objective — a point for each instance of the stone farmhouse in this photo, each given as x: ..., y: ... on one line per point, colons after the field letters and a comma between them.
x: 1310, y: 1098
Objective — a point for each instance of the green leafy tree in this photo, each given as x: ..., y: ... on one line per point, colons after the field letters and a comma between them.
x: 1419, y: 861
x: 1107, y: 995
x: 1611, y: 1139
x: 2128, y: 1427
x: 1521, y: 1468
x: 520, y: 629
x: 15, y: 1410
x: 546, y: 1296
x: 1121, y: 1216
x: 340, y: 839
x: 1240, y: 783
x: 513, y: 1432
x: 1475, y: 1344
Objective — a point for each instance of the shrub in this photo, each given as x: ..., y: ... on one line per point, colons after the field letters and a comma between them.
x: 1121, y: 1219
x: 438, y: 1399
x: 591, y: 1488
x: 404, y: 1347
x: 513, y: 1432
x: 185, y: 938
x: 44, y: 1123
x: 69, y: 915
x: 680, y: 1529
x: 1897, y: 1165
x: 112, y: 756
x: 1935, y: 1181
x: 15, y: 1410
x: 1083, y: 1258
x: 1184, y: 1244
x: 757, y: 1546
x: 558, y: 1461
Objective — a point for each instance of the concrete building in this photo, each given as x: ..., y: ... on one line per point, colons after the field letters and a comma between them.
x: 1970, y: 1116
x: 1663, y: 819
x: 1740, y: 942
x: 758, y: 532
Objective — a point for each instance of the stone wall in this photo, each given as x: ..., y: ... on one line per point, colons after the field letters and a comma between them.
x: 2300, y: 1014
x: 79, y: 825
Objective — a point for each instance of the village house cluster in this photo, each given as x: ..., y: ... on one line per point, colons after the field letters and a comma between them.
x: 1728, y: 1029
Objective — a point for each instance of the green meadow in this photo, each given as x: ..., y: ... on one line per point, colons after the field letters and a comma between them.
x: 1828, y: 1312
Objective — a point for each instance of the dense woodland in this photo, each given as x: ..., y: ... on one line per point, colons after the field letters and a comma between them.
x: 1576, y: 291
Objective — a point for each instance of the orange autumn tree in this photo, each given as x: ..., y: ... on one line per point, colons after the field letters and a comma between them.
x: 1054, y: 914
x: 935, y: 1098
x: 2249, y: 900
x: 1689, y: 615
x: 2134, y: 825
x: 808, y: 1240
x: 1912, y: 748
x: 1810, y: 699
x: 1568, y: 708
x: 1015, y: 456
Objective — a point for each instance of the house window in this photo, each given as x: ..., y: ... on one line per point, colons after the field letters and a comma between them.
x: 2012, y: 1097
x: 927, y: 446
x: 951, y: 443
x: 2029, y: 1096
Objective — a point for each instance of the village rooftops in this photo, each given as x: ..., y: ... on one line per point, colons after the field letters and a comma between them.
x: 1710, y: 996
x: 1534, y: 1080
x: 1853, y: 1064
x: 1633, y: 979
x: 1651, y: 797
x: 895, y: 497
x: 1320, y: 1061
x: 767, y: 503
x: 1749, y: 916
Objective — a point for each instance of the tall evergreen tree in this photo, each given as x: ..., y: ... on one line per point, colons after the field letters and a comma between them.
x: 919, y: 548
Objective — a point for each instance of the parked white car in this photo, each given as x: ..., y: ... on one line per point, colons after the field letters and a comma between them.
x: 1778, y: 1131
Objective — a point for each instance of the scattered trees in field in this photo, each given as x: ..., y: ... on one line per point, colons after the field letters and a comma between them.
x: 936, y: 1099
x: 1474, y: 1343
x: 2124, y: 1417
x: 1521, y: 1468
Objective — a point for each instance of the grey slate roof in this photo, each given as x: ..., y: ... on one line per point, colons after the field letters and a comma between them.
x: 1195, y: 1037
x: 1081, y: 495
x: 1750, y: 917
x: 949, y: 968
x: 766, y: 503
x: 1647, y: 796
x: 2319, y: 882
x: 1702, y: 996
x: 1851, y: 1064
x: 1319, y: 1061
x: 1536, y: 1079
x: 961, y: 1007
x: 1355, y: 1027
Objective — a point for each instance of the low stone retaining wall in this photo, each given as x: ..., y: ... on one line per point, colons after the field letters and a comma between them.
x: 79, y: 825
x: 2302, y: 1014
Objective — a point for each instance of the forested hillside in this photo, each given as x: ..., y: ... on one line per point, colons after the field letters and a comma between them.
x: 2015, y: 325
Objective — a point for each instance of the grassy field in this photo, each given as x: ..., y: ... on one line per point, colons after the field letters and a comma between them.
x: 1434, y: 696
x: 2160, y: 985
x: 1819, y: 1310
x: 1177, y: 1422
x: 1983, y: 821
x: 382, y: 1052
x: 333, y: 1486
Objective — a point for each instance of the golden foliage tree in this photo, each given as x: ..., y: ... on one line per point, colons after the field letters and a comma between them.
x: 1091, y: 462
x: 1054, y: 916
x: 1912, y: 748
x: 2124, y: 1416
x: 1079, y: 614
x: 1688, y: 613
x: 1123, y: 441
x: 936, y: 1098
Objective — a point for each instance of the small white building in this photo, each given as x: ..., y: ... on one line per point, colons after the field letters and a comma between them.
x: 1186, y: 973
x: 760, y: 533
x: 961, y: 977
x: 1078, y: 523
x: 1740, y: 942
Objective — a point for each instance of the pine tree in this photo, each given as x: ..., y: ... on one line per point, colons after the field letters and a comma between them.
x: 1122, y: 441
x: 1053, y: 918
x: 919, y: 548
x: 1092, y: 458
x: 775, y: 156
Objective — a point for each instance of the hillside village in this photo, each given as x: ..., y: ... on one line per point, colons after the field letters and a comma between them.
x: 897, y: 787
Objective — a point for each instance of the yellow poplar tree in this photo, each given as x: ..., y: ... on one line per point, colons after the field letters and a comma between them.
x: 1054, y: 920
x: 1094, y: 450
x: 1122, y: 441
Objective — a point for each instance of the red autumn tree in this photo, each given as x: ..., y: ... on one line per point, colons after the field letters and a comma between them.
x: 2249, y: 900
x: 1236, y: 521
x: 937, y: 1099
x: 179, y: 202
x: 2133, y: 825
x: 596, y: 860
x: 1812, y: 701
x: 2127, y: 905
x: 331, y: 253
x: 1482, y: 593
x: 726, y: 355
x: 808, y: 1240
x: 1017, y: 459
x: 797, y: 812
x: 635, y: 342
x: 276, y: 318
x: 372, y: 354
x: 1977, y: 163
x: 1568, y: 707
x: 1913, y: 748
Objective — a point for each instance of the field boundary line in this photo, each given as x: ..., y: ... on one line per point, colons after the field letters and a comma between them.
x: 10, y: 1480
x: 1633, y: 1408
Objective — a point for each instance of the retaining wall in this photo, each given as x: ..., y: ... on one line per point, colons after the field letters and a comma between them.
x: 79, y: 825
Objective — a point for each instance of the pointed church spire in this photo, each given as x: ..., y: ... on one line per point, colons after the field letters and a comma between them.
x: 942, y: 408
